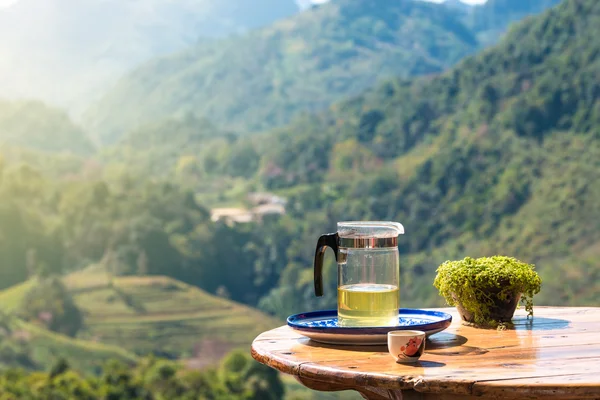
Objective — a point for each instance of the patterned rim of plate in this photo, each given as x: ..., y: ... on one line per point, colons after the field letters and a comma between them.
x: 437, y: 320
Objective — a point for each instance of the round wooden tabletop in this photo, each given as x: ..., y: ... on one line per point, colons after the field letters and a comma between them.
x: 554, y: 355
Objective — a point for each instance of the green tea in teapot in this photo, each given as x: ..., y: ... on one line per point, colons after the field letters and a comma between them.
x: 368, y: 263
x: 368, y: 304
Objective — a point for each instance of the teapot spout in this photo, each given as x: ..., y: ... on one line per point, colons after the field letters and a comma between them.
x: 398, y: 227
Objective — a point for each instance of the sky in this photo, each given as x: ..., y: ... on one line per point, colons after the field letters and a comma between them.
x: 464, y: 1
x: 303, y: 3
x: 5, y: 3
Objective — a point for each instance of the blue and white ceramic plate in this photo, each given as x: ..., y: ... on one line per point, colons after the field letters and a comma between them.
x: 322, y: 326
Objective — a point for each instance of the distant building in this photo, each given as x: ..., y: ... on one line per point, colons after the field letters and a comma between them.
x: 264, y: 210
x: 266, y: 205
x: 232, y: 215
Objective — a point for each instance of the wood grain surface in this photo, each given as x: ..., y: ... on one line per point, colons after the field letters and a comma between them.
x: 555, y: 355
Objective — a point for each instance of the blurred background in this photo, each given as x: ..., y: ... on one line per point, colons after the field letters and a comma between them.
x: 166, y: 167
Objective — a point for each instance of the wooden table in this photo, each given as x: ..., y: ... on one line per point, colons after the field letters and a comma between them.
x: 554, y: 356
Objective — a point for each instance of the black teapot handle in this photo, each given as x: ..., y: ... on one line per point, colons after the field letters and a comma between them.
x: 325, y: 241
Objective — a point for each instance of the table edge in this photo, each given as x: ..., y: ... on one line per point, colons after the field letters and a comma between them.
x: 490, y: 387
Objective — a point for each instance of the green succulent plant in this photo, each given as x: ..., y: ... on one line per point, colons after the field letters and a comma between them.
x: 479, y: 285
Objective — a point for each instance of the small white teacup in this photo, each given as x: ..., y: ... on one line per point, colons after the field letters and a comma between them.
x: 406, y: 346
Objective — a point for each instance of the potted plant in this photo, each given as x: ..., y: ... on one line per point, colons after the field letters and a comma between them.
x: 487, y: 290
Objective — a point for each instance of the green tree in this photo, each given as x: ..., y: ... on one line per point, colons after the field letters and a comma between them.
x: 248, y: 379
x: 49, y: 303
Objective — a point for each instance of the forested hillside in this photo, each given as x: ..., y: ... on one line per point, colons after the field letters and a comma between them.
x: 161, y: 147
x: 498, y: 155
x: 303, y: 63
x: 53, y: 225
x: 34, y: 125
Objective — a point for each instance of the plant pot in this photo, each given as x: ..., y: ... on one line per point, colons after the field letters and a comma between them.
x: 500, y: 311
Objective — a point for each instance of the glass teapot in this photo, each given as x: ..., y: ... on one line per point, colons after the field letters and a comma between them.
x: 368, y: 271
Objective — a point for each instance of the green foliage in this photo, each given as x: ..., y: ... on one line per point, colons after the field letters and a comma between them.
x: 36, y: 126
x: 47, y: 348
x: 156, y: 148
x: 243, y: 376
x: 151, y: 379
x: 28, y: 241
x: 49, y: 303
x: 477, y: 284
x: 32, y: 347
x: 13, y: 353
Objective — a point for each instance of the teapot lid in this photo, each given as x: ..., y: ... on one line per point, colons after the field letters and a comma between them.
x: 369, y: 234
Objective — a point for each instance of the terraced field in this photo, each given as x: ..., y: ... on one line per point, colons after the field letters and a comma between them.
x: 163, y: 316
x: 155, y: 315
x: 10, y: 299
x: 85, y: 356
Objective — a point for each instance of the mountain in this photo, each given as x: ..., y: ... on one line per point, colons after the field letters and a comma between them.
x: 499, y: 155
x: 66, y: 51
x: 304, y: 63
x: 459, y: 5
x: 36, y: 126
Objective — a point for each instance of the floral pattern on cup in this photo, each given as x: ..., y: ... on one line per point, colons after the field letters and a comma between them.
x: 406, y: 346
x: 414, y: 348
